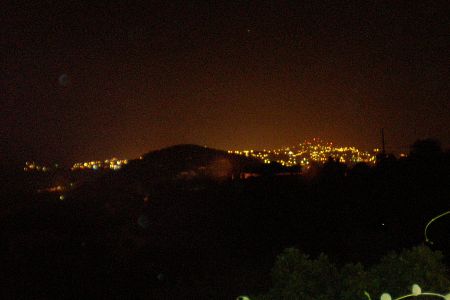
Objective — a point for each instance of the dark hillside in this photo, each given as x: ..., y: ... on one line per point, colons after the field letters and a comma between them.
x: 179, y: 224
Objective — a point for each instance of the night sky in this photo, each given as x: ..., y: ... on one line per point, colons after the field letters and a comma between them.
x: 92, y: 81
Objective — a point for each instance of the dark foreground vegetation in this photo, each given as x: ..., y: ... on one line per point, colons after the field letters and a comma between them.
x: 181, y: 224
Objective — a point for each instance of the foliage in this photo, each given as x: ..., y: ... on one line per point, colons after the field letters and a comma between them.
x: 396, y: 272
x: 297, y: 276
x: 353, y: 280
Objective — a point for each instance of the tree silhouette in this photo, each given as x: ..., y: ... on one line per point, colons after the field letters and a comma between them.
x: 426, y: 149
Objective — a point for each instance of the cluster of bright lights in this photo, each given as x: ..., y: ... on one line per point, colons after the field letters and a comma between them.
x: 31, y: 166
x: 310, y: 151
x: 112, y: 164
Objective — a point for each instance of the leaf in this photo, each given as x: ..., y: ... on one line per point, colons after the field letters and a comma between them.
x: 385, y: 296
x: 416, y: 290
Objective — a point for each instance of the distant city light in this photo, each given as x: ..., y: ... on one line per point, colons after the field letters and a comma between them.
x: 112, y: 164
x: 305, y: 153
x: 302, y: 154
x: 32, y: 166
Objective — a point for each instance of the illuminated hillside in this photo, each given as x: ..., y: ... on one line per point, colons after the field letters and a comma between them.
x: 311, y: 151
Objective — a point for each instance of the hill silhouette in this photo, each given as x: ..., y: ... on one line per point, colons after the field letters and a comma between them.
x: 180, y: 223
x: 188, y: 167
x: 190, y: 162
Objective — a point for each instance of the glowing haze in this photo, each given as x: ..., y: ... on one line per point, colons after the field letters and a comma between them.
x: 84, y: 82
